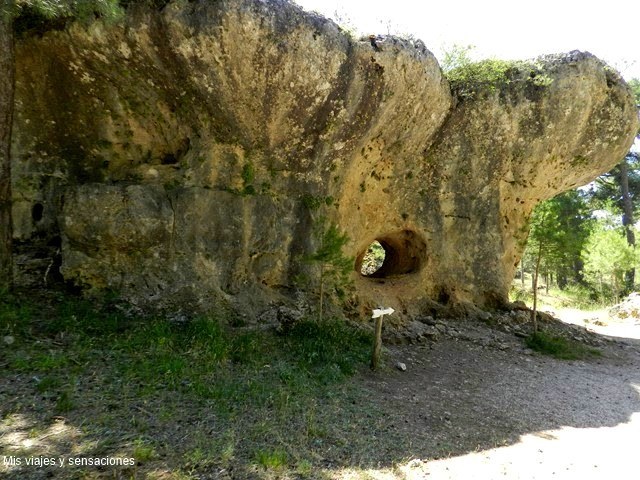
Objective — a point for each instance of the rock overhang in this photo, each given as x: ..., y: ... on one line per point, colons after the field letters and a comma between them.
x: 184, y: 155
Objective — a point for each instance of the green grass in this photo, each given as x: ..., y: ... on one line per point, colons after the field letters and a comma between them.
x: 572, y: 296
x: 272, y: 459
x: 256, y: 384
x: 15, y: 315
x: 559, y: 347
x: 65, y: 402
x: 143, y: 451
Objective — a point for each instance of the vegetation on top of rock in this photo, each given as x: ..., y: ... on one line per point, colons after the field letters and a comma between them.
x: 467, y: 79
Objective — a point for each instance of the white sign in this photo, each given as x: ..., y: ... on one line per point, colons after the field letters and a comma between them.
x: 380, y: 312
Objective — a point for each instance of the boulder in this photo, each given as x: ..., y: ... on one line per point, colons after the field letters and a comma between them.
x: 183, y: 156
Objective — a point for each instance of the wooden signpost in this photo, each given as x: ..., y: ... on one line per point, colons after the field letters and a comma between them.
x: 378, y: 314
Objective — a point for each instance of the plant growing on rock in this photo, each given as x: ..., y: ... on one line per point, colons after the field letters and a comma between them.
x: 332, y: 266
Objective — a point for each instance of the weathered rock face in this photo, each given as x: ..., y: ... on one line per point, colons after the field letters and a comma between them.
x: 181, y: 156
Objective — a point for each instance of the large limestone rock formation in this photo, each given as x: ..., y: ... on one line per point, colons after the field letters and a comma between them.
x: 180, y: 157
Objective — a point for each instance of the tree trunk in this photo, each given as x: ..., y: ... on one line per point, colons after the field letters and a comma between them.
x: 7, y: 83
x: 546, y: 282
x: 627, y: 219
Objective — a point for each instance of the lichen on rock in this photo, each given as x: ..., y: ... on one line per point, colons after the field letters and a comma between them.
x: 179, y: 156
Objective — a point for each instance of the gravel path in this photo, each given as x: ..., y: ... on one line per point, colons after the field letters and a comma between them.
x: 500, y: 411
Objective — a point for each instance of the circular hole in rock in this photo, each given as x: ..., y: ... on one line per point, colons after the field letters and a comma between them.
x: 373, y: 259
x: 403, y: 252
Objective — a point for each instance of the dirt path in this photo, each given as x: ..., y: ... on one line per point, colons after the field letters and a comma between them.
x: 501, y: 412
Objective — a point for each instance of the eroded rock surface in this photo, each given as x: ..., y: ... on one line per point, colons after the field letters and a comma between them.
x: 183, y: 156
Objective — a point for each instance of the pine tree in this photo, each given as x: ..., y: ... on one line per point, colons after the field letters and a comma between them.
x: 333, y: 267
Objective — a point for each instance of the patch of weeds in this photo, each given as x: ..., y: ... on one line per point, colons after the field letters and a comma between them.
x: 198, y: 458
x: 468, y: 78
x: 320, y: 346
x: 47, y: 384
x: 85, y: 317
x: 304, y: 467
x: 64, y: 403
x: 272, y: 459
x: 313, y: 203
x: 248, y: 176
x: 247, y: 349
x: 143, y: 451
x: 248, y: 173
x: 53, y: 360
x: 257, y: 384
x: 559, y: 347
x: 15, y: 315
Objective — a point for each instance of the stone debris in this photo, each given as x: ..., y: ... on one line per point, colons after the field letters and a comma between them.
x: 401, y: 366
x: 628, y: 309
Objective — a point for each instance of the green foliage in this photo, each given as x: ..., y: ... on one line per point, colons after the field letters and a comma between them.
x: 373, y: 259
x: 15, y: 315
x: 274, y: 459
x: 559, y: 229
x: 313, y: 203
x: 143, y: 451
x: 559, y: 347
x: 634, y: 83
x: 320, y: 348
x: 333, y: 268
x: 248, y: 173
x: 605, y: 192
x: 467, y: 77
x: 329, y: 249
x: 64, y: 403
x: 607, y: 257
x: 456, y: 57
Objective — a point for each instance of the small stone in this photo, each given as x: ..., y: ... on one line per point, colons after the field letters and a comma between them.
x: 519, y: 304
x: 8, y: 339
x: 401, y: 366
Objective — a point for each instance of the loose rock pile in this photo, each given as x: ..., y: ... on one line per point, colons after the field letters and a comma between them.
x: 628, y: 309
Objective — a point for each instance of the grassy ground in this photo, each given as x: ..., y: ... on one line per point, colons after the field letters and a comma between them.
x: 570, y: 297
x: 559, y: 347
x: 245, y: 401
x: 201, y: 400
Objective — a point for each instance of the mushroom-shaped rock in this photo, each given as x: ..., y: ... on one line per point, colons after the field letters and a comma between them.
x: 184, y: 155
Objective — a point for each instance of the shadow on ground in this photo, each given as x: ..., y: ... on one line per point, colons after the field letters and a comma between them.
x: 455, y: 397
